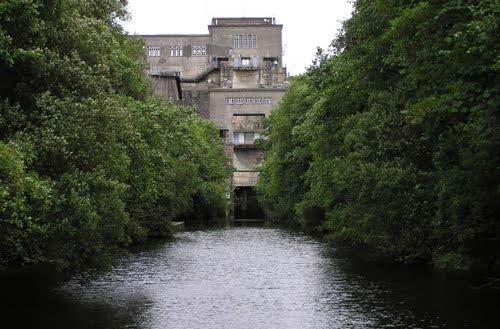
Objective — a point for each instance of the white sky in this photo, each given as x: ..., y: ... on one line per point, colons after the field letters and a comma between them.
x: 306, y: 24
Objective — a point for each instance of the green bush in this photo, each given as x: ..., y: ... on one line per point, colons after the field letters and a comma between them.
x: 393, y: 133
x: 90, y: 161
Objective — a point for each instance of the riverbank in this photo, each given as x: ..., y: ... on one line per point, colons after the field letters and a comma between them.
x: 391, y: 136
x: 452, y: 264
x: 91, y: 160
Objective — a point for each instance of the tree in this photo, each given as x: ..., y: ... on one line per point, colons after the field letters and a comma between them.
x: 90, y: 161
x: 402, y: 133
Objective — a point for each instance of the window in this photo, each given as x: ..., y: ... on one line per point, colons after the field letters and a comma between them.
x: 267, y: 100
x: 239, y: 100
x: 153, y: 51
x: 246, y: 138
x: 245, y: 41
x: 248, y: 100
x: 245, y: 61
x: 176, y: 51
x: 230, y: 101
x: 238, y: 138
x: 199, y: 51
x: 257, y: 100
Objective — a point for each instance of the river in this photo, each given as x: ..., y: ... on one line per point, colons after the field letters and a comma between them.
x: 247, y: 278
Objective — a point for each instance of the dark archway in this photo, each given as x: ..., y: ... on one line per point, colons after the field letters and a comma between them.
x: 246, y: 205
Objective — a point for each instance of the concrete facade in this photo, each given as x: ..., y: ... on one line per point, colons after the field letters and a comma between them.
x: 233, y: 76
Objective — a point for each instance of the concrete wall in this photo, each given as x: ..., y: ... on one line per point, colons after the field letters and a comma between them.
x: 207, y: 81
x: 245, y: 178
x: 269, y: 43
x: 199, y: 99
x: 166, y: 86
x: 245, y: 160
x: 247, y: 123
x: 187, y: 65
x: 222, y: 113
x: 242, y: 118
x: 246, y: 79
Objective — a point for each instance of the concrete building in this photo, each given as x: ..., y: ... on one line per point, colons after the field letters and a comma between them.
x: 234, y: 76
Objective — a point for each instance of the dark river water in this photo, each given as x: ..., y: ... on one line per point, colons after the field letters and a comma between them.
x: 247, y: 278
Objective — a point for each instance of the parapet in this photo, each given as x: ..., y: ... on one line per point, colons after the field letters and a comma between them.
x: 242, y: 21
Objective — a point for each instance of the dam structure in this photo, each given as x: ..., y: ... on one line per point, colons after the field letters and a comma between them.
x: 233, y: 76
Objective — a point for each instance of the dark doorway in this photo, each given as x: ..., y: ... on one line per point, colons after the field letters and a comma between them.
x: 246, y: 205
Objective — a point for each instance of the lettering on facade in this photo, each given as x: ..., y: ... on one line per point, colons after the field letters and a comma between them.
x: 248, y: 100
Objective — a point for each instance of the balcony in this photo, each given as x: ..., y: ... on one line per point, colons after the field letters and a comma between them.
x: 248, y: 145
x: 245, y: 64
x: 245, y: 68
x: 246, y: 140
x: 245, y: 146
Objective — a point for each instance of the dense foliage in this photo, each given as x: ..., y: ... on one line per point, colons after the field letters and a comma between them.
x: 391, y: 139
x: 90, y: 162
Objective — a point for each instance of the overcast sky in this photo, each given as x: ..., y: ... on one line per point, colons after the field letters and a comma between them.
x: 306, y: 24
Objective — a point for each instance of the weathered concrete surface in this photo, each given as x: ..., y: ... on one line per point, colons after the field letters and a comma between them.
x: 235, y: 81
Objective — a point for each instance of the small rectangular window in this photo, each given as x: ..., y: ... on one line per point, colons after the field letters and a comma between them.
x: 176, y: 51
x: 267, y: 100
x: 154, y: 51
x: 230, y: 100
x: 257, y: 100
x: 199, y: 51
x: 238, y: 100
x: 248, y: 100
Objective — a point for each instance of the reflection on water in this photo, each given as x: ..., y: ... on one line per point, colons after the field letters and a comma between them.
x: 247, y: 278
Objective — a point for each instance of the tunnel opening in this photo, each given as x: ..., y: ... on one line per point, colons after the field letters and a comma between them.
x: 246, y: 206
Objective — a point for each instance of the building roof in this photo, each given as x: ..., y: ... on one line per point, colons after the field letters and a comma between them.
x: 242, y: 21
x: 219, y: 22
x: 173, y: 35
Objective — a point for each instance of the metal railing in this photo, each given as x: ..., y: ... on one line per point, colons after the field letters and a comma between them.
x: 246, y: 146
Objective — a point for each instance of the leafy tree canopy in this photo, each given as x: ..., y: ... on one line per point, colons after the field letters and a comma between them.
x: 392, y: 136
x: 90, y: 161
